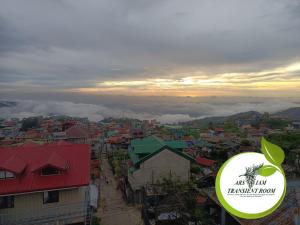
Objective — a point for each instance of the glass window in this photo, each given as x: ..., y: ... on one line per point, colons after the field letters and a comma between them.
x: 50, y: 171
x: 51, y: 196
x: 2, y: 174
x: 6, y: 174
x: 7, y: 202
x: 9, y: 175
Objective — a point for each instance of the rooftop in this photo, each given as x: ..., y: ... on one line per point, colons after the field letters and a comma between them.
x: 26, y: 164
x: 141, y: 149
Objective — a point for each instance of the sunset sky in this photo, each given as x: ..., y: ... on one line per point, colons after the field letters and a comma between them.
x: 146, y: 48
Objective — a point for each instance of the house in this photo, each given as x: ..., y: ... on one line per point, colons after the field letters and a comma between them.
x: 219, y: 131
x: 45, y: 184
x: 152, y: 160
x: 78, y: 134
x: 137, y: 133
x: 296, y: 125
x: 205, y: 162
x: 59, y: 135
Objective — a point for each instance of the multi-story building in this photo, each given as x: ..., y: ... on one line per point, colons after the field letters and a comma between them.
x: 45, y: 184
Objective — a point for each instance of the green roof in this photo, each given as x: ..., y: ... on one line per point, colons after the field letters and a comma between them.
x: 146, y: 145
x: 177, y: 144
x: 133, y: 156
x: 112, y: 133
x: 143, y: 149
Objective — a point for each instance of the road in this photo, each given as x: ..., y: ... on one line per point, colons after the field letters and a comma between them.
x: 113, y: 209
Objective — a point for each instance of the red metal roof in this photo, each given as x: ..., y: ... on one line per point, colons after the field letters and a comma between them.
x: 60, y: 142
x: 218, y: 129
x: 13, y: 164
x: 54, y: 160
x: 75, y: 159
x: 29, y: 143
x: 204, y: 161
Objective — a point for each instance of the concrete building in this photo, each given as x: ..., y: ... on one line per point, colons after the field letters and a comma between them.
x: 45, y: 184
x: 153, y: 160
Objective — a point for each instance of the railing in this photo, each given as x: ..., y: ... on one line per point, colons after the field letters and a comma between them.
x: 62, y: 214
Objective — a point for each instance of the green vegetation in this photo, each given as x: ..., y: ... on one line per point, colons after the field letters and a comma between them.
x: 220, y: 156
x: 195, y: 169
x: 277, y: 123
x: 231, y: 126
x: 29, y: 123
x: 202, y: 215
x: 96, y: 221
x: 245, y: 142
x: 287, y: 141
x: 117, y: 167
x: 120, y: 155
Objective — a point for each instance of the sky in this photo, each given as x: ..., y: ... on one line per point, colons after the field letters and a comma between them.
x: 98, y: 52
x: 146, y: 48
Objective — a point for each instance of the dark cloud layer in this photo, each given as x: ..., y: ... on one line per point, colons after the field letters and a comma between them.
x: 71, y: 44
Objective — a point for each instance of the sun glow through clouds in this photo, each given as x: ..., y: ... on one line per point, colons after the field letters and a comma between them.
x: 198, y: 84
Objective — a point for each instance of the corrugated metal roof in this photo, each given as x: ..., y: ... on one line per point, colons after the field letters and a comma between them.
x: 177, y: 144
x: 75, y: 156
x: 143, y: 149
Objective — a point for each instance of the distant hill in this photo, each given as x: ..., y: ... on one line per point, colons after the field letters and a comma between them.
x: 292, y: 113
x: 245, y: 116
x: 250, y: 115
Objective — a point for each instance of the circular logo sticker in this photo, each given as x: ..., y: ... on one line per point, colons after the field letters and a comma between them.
x: 252, y: 185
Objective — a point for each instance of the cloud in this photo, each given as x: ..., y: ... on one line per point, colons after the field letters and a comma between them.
x: 79, y: 44
x: 163, y: 109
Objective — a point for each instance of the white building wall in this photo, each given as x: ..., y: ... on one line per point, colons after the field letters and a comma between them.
x: 26, y: 206
x: 165, y: 164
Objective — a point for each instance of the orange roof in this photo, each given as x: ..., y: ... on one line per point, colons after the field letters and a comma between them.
x: 204, y: 161
x: 114, y: 140
x: 201, y: 199
x: 77, y: 132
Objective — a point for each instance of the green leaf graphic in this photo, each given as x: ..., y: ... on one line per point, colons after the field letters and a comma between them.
x: 273, y: 153
x: 267, y: 170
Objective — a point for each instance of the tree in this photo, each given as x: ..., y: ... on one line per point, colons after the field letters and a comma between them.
x: 245, y: 142
x: 96, y: 221
x: 210, y: 125
x: 29, y: 123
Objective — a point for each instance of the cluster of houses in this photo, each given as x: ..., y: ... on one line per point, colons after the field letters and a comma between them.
x: 45, y: 172
x: 48, y: 169
x: 170, y: 152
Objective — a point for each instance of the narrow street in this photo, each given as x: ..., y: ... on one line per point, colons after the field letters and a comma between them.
x: 113, y: 209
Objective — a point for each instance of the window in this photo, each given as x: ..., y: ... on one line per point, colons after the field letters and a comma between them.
x: 6, y: 175
x: 7, y: 202
x: 51, y: 197
x: 50, y: 171
x: 2, y: 174
x: 9, y: 175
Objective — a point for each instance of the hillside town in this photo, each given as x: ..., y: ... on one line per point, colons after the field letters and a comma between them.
x: 66, y: 170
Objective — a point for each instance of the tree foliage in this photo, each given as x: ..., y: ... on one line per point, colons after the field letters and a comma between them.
x: 29, y: 123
